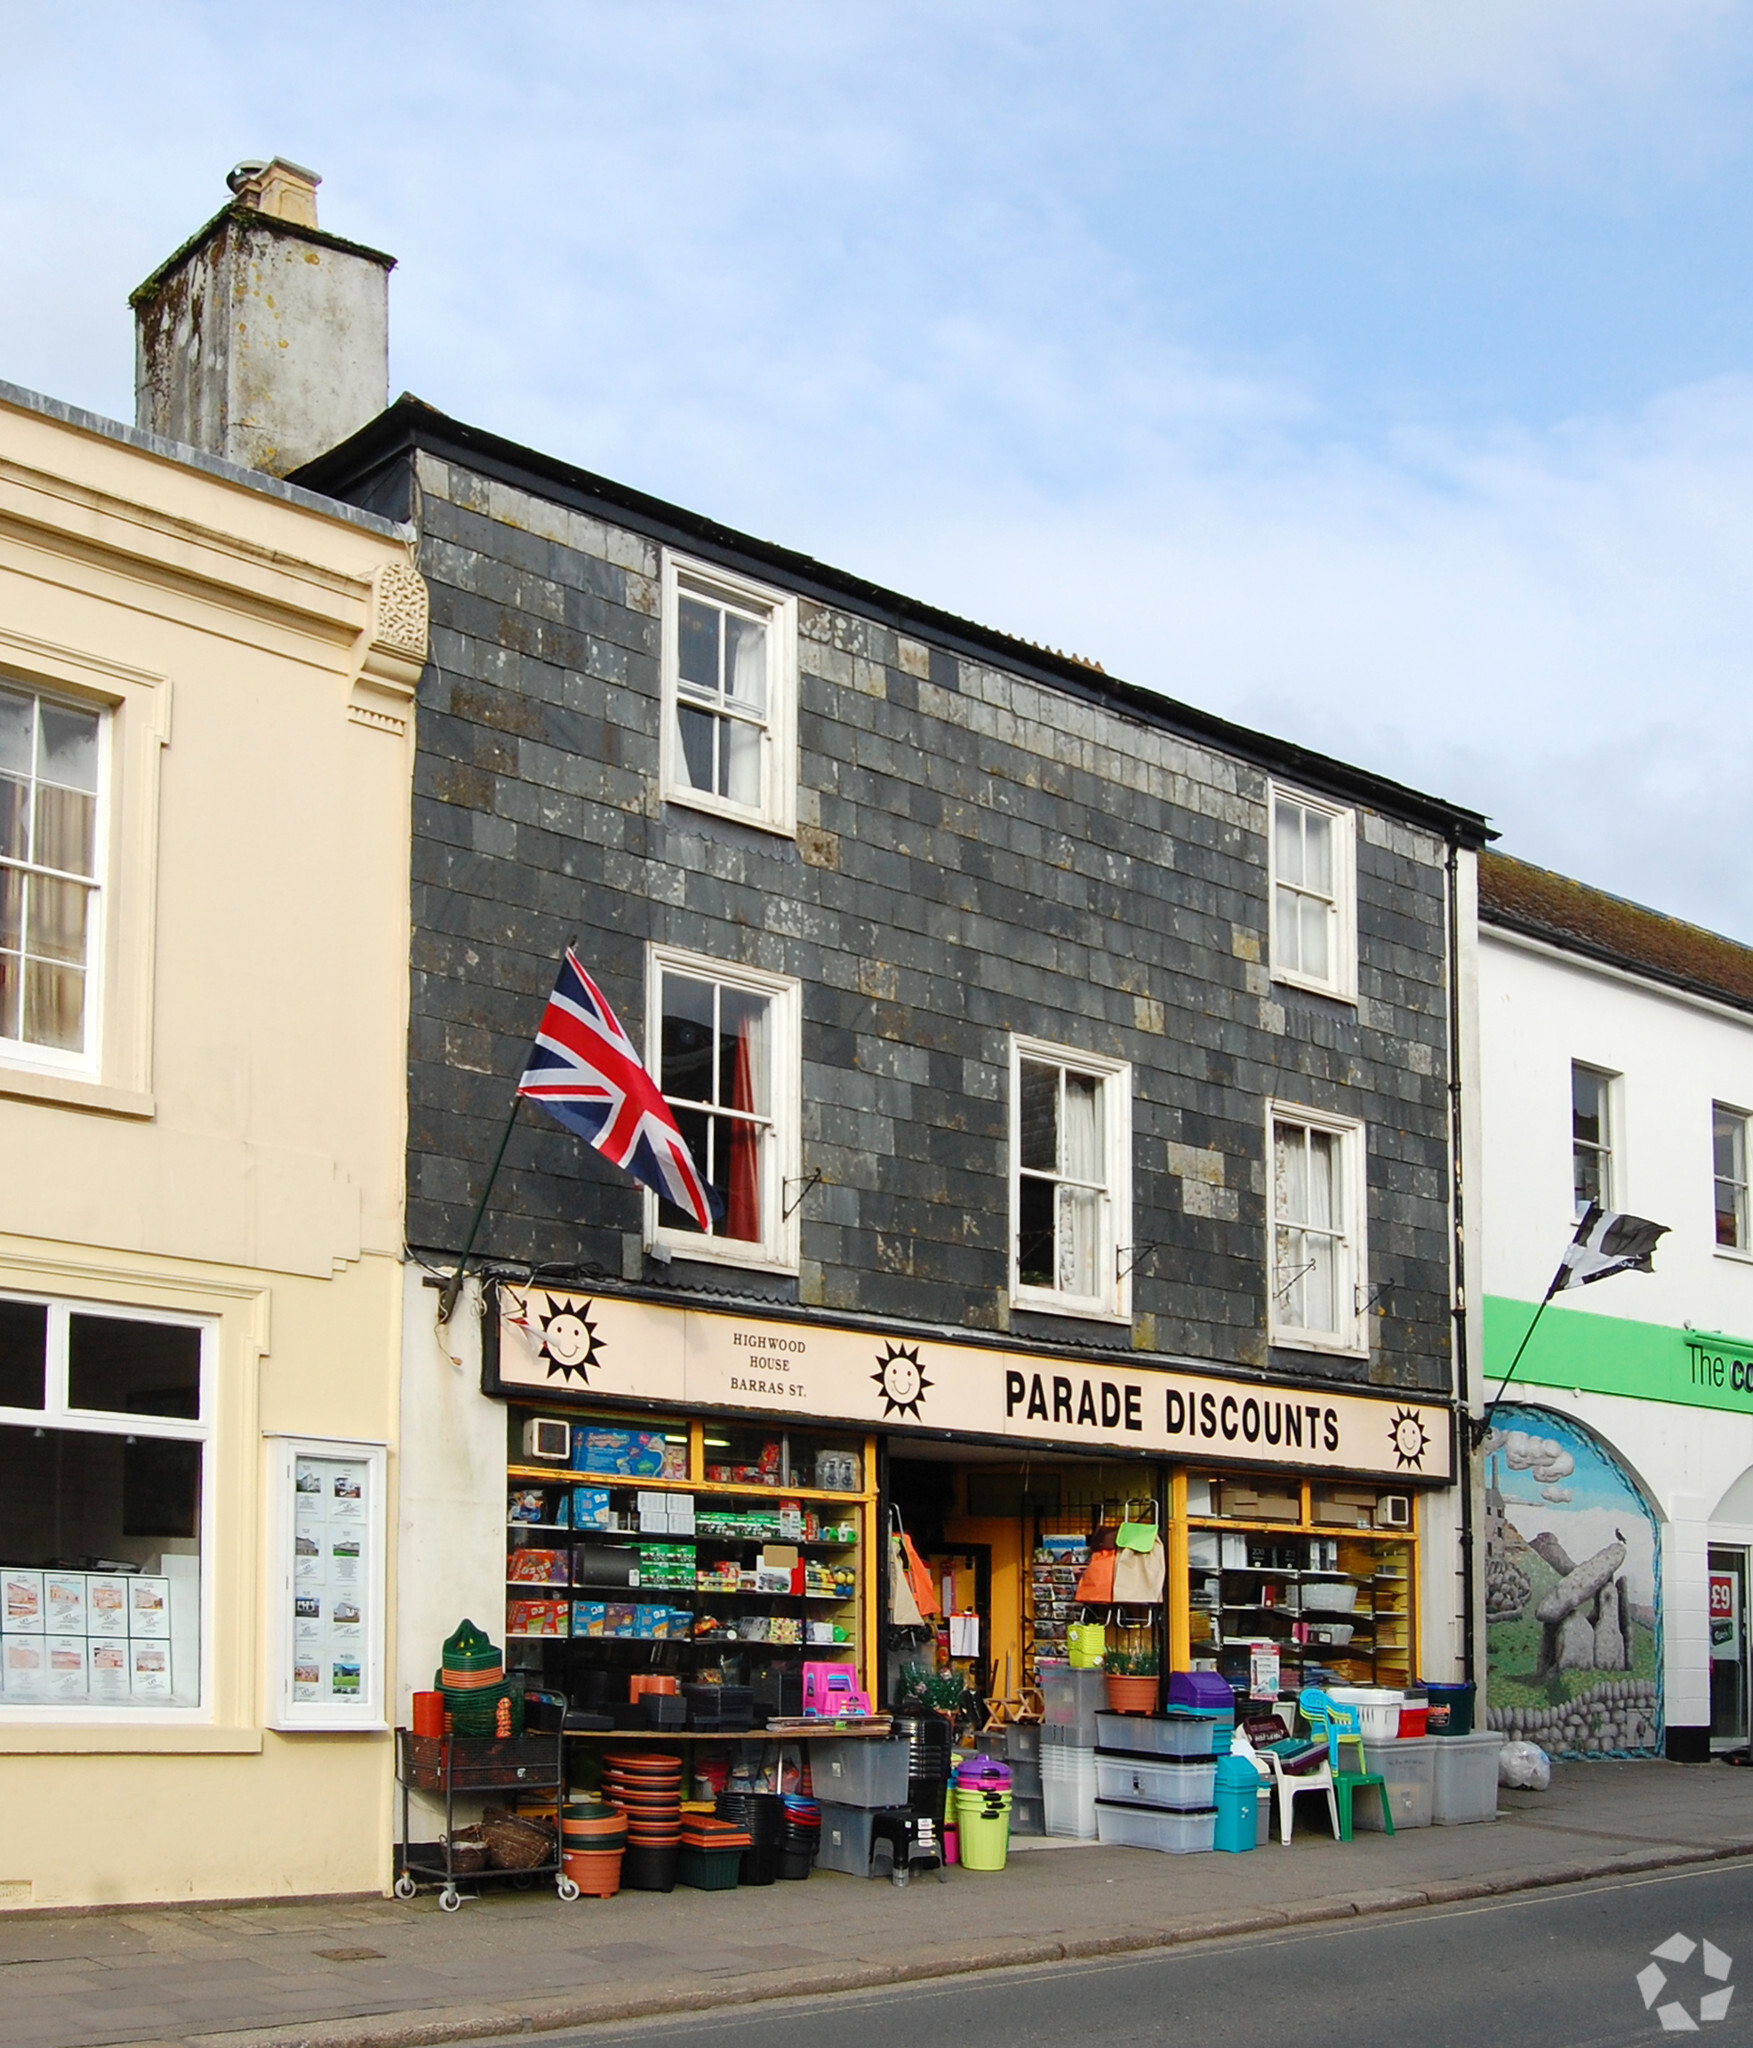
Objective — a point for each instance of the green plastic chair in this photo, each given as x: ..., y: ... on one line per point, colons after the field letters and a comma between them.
x: 1328, y: 1719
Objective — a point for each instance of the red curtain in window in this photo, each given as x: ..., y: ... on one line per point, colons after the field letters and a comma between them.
x: 743, y: 1206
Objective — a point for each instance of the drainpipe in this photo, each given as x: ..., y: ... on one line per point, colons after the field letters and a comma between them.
x: 1462, y: 1419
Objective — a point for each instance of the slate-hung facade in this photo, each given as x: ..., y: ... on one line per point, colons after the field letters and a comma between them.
x: 1000, y: 1001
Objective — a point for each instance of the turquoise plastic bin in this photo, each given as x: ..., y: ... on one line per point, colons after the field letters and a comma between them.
x: 1238, y: 1805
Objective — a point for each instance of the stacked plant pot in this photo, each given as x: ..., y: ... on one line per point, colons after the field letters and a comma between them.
x: 471, y: 1680
x: 648, y: 1790
x: 800, y: 1835
x: 593, y: 1840
x: 761, y: 1815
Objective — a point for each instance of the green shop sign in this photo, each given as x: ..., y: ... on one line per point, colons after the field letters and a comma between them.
x: 1599, y: 1354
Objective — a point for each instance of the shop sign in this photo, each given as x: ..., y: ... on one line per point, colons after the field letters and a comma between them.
x: 566, y: 1345
x: 1725, y: 1618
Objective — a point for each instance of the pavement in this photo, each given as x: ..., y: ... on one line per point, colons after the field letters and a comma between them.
x: 378, y: 1974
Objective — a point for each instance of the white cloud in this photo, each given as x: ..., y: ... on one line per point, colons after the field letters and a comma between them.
x: 884, y: 284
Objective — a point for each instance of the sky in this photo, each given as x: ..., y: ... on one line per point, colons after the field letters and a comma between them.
x: 1375, y: 372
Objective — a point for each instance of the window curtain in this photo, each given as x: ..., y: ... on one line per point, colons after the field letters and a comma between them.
x: 1080, y: 1208
x: 745, y: 685
x: 742, y: 1218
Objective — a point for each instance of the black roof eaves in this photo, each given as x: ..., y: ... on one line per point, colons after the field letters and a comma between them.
x: 251, y: 216
x: 1563, y: 941
x: 412, y: 423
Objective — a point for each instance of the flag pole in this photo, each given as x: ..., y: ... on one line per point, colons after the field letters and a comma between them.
x: 447, y: 1301
x: 1483, y: 1425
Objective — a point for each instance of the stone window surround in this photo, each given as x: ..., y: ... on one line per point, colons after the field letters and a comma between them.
x: 1351, y: 1339
x: 778, y: 1250
x: 1114, y: 1305
x: 115, y: 1075
x: 777, y: 810
x: 1341, y: 983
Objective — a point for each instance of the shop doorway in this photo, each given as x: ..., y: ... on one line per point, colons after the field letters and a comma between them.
x: 984, y: 1520
x: 1728, y: 1647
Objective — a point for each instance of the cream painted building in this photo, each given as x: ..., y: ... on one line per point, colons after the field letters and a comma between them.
x: 206, y: 688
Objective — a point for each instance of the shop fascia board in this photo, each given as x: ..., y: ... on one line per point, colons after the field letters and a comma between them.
x: 691, y: 1368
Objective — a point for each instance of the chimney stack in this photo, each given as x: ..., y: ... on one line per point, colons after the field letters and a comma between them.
x: 263, y: 339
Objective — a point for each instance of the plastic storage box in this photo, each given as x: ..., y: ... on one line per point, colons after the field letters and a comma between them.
x: 1410, y: 1771
x: 1072, y: 1700
x: 1145, y: 1781
x: 1149, y: 1827
x: 1466, y: 1779
x: 1378, y: 1709
x: 860, y: 1770
x: 1158, y: 1735
x: 1028, y: 1815
x: 845, y: 1845
x: 1068, y: 1791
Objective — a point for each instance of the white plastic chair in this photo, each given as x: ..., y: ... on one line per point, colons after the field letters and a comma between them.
x: 1288, y: 1786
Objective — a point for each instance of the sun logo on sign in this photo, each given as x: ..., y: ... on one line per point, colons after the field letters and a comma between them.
x: 1406, y: 1434
x: 901, y: 1380
x: 568, y: 1341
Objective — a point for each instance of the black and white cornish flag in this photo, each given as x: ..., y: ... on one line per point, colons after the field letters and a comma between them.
x: 1606, y: 1243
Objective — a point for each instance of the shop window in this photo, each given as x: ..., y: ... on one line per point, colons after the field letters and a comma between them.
x: 1591, y: 1136
x: 1314, y: 915
x: 1318, y: 1256
x: 104, y: 1427
x: 51, y: 849
x: 1729, y: 1147
x: 1071, y: 1143
x: 726, y: 1058
x: 1330, y: 1600
x: 730, y: 681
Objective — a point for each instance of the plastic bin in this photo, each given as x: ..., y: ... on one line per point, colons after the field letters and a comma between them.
x: 858, y: 1770
x: 1144, y: 1781
x: 1028, y: 1813
x: 1068, y: 1793
x: 1072, y: 1699
x: 1149, y: 1827
x: 1378, y: 1709
x: 1238, y: 1793
x: 846, y: 1832
x: 983, y: 1827
x: 1466, y: 1779
x: 1450, y: 1708
x: 1067, y: 1738
x: 1157, y: 1734
x: 1410, y: 1771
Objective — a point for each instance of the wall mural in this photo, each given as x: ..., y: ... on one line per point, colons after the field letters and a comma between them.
x: 1573, y: 1603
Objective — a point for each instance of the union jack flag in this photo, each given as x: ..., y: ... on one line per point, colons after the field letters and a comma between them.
x: 585, y: 1072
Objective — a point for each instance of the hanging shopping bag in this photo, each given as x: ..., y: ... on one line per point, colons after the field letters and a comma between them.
x: 1096, y: 1587
x: 903, y: 1608
x: 1139, y: 1534
x: 917, y: 1574
x: 1140, y: 1566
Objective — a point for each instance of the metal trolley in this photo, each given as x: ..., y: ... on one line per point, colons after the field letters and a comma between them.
x: 469, y: 1765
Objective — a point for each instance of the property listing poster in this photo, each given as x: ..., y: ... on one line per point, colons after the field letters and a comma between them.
x: 330, y: 1574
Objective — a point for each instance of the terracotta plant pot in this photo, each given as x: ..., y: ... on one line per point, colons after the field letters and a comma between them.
x: 596, y: 1872
x: 1131, y: 1695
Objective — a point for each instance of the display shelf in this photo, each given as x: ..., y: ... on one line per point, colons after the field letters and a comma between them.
x: 720, y: 1489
